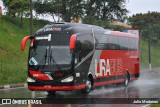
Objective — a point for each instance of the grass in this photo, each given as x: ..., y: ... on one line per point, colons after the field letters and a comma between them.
x: 155, y: 105
x: 13, y: 62
x: 155, y: 54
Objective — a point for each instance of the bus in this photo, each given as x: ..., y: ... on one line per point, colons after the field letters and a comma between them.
x: 74, y: 56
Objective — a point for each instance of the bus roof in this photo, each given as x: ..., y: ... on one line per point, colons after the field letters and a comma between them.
x: 64, y: 26
x: 118, y: 33
x: 73, y: 25
x: 68, y: 26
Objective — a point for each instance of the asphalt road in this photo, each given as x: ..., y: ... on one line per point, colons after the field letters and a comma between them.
x: 147, y: 86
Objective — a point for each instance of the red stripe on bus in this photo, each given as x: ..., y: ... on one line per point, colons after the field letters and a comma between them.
x: 133, y: 78
x: 56, y: 88
x: 108, y: 82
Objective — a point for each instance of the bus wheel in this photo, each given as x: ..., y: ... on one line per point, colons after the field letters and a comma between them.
x: 126, y: 79
x: 88, y: 87
x: 51, y: 92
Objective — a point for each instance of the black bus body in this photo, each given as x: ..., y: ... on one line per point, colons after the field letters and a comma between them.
x: 67, y: 56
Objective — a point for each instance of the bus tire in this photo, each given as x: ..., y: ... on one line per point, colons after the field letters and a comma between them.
x: 51, y: 92
x: 126, y: 79
x: 88, y: 87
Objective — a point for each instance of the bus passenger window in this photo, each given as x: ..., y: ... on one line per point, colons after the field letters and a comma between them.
x: 136, y: 44
x: 112, y: 43
x: 123, y: 41
x: 111, y: 47
x: 132, y: 44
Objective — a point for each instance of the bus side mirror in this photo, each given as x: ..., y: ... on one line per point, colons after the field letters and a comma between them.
x: 78, y: 45
x: 23, y: 42
x: 72, y: 45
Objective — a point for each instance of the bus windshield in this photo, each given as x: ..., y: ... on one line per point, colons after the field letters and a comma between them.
x: 50, y: 55
x: 45, y: 54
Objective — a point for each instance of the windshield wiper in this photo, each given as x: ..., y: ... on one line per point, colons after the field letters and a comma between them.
x: 45, y: 56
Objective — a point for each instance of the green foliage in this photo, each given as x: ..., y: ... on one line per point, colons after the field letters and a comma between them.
x: 13, y: 62
x: 65, y: 9
x: 155, y: 54
x: 106, y: 9
x: 19, y: 7
x: 148, y: 23
x: 94, y: 21
x: 107, y: 24
x: 142, y: 20
x: 155, y: 105
x: 70, y: 9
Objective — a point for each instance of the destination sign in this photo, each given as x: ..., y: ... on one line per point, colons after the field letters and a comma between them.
x: 52, y: 29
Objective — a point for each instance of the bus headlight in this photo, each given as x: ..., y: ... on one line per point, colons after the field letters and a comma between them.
x: 69, y: 79
x: 30, y: 80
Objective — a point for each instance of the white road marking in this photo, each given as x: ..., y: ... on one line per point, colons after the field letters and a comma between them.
x: 147, y: 105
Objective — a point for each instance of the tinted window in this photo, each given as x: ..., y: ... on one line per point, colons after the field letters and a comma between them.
x: 133, y: 44
x: 136, y: 43
x: 86, y: 46
x: 86, y: 41
x: 112, y: 43
x: 123, y: 41
x: 101, y: 41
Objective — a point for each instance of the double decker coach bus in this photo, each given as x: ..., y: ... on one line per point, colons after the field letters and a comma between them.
x: 70, y: 56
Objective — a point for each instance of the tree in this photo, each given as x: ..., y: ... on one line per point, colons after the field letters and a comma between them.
x: 106, y: 9
x: 17, y: 8
x: 103, y: 12
x: 147, y: 23
x: 65, y: 9
x: 70, y: 9
x: 142, y: 20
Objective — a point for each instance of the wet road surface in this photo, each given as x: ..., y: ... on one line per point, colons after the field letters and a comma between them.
x: 147, y: 86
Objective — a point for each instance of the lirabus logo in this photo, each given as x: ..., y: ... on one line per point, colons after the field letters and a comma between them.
x: 108, y: 67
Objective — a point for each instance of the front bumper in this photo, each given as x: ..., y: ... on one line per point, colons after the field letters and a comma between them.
x: 56, y: 88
